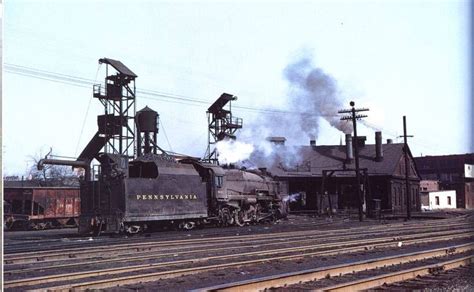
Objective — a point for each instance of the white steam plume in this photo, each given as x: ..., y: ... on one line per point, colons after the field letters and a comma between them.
x: 313, y: 94
x: 230, y: 151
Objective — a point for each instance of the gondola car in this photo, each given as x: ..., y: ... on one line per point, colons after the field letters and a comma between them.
x: 40, y: 207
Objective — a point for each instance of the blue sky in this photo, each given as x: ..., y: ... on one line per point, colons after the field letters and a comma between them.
x: 395, y: 57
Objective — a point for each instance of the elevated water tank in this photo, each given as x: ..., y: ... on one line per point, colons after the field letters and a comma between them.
x: 147, y: 120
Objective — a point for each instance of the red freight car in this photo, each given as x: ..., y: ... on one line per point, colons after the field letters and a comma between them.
x: 41, y: 207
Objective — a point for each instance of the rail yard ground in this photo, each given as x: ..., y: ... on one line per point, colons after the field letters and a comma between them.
x: 249, y: 257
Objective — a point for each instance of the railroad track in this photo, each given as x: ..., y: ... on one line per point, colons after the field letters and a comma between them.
x: 126, y: 249
x: 288, y: 279
x: 21, y: 245
x: 309, y: 244
x: 73, y: 242
x: 443, y: 279
x: 147, y: 272
x: 86, y: 267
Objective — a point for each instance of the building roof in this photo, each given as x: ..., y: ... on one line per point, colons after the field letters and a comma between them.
x: 221, y: 102
x: 119, y: 66
x: 444, y: 163
x: 314, y: 159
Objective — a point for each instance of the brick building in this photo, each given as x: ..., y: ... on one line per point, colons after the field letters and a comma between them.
x: 329, y: 170
x: 454, y: 172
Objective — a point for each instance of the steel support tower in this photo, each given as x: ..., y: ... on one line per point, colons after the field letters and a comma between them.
x: 116, y: 125
x: 221, y: 124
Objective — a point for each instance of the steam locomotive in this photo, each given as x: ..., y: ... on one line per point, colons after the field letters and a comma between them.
x: 152, y: 190
x: 130, y: 193
x: 159, y: 189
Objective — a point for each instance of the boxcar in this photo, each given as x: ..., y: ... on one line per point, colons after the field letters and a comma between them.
x: 41, y: 207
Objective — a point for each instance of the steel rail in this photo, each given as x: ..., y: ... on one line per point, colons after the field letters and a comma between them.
x: 335, y: 270
x: 400, y: 276
x: 134, y: 240
x: 34, y: 257
x: 107, y: 283
x: 45, y: 259
x: 317, y: 245
x: 173, y: 273
x: 216, y: 238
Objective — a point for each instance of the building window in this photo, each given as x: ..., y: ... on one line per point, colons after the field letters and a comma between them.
x: 449, y: 200
x: 396, y: 195
x: 437, y: 200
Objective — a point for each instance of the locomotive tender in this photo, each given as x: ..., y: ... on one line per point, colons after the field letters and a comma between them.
x: 138, y: 185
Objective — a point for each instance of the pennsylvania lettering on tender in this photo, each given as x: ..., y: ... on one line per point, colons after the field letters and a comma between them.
x: 167, y: 197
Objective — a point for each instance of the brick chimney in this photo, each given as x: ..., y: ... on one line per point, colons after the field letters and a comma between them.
x: 378, y: 146
x: 349, y: 155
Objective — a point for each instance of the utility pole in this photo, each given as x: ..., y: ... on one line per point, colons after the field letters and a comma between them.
x: 407, y: 167
x: 354, y: 118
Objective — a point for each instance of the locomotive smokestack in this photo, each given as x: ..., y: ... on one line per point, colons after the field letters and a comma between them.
x: 389, y: 141
x: 349, y: 155
x: 312, y: 142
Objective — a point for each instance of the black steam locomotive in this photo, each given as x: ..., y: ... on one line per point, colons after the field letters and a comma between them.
x: 137, y: 185
x: 159, y: 189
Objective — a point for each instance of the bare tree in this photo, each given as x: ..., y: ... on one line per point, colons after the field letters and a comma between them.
x: 50, y: 174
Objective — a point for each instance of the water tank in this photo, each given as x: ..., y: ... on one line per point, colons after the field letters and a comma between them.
x: 147, y: 120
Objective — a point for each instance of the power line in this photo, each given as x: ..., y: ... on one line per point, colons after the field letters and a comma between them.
x: 87, y: 112
x: 164, y: 132
x: 83, y: 82
x: 169, y: 97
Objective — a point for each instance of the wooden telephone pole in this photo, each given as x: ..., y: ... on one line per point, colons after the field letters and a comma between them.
x: 354, y: 118
x: 407, y: 167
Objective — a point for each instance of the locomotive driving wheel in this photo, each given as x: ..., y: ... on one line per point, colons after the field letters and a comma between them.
x: 239, y: 217
x: 225, y: 217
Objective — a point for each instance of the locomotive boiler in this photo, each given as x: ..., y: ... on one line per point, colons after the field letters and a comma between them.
x: 137, y: 185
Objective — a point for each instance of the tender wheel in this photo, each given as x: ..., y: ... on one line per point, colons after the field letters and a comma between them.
x: 133, y: 229
x: 188, y: 225
x: 32, y: 226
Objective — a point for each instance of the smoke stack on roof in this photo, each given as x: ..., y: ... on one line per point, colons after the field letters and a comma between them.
x: 389, y: 141
x: 349, y: 155
x: 378, y: 146
x: 277, y: 140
